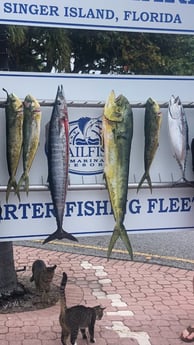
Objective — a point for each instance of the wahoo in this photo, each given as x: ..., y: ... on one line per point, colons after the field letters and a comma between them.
x: 57, y: 148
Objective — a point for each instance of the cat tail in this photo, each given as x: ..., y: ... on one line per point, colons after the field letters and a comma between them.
x: 63, y: 303
x: 32, y: 278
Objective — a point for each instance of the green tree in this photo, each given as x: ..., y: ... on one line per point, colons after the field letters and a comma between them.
x: 38, y: 49
x: 139, y: 53
x: 113, y: 52
x: 3, y: 49
x: 44, y: 49
x: 177, y: 52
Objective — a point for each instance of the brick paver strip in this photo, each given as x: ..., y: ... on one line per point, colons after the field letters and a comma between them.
x: 146, y: 304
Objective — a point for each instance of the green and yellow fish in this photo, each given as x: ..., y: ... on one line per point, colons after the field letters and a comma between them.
x: 117, y: 133
x: 14, y: 123
x: 31, y: 136
x: 152, y: 124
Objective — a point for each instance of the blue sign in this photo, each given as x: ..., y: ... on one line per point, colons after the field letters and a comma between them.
x: 86, y: 152
x: 164, y: 16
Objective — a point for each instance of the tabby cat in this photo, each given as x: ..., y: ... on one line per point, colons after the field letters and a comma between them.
x: 77, y: 317
x: 42, y: 276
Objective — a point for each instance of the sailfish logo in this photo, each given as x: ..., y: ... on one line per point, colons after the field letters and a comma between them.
x: 86, y: 153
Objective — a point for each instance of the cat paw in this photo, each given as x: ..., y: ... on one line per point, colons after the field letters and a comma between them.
x: 92, y: 340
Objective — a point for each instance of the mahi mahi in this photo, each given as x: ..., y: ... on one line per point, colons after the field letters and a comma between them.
x: 31, y: 137
x: 178, y: 132
x: 117, y: 133
x: 14, y: 123
x: 57, y: 148
x: 152, y: 124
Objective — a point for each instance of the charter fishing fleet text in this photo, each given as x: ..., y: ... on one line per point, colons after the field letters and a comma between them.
x: 95, y: 208
x: 109, y: 15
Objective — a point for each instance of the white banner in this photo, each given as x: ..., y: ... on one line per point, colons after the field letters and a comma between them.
x: 87, y: 211
x: 162, y: 16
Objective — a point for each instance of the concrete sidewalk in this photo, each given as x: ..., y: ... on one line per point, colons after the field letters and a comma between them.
x: 145, y: 304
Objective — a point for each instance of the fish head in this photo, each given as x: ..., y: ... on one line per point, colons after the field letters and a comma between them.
x: 32, y: 105
x: 113, y: 108
x: 175, y: 108
x: 14, y: 103
x: 121, y: 103
x: 61, y: 104
x: 154, y: 109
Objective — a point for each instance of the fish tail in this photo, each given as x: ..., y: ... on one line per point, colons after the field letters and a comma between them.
x: 149, y: 182
x: 145, y: 176
x: 120, y: 231
x: 59, y: 234
x: 26, y: 184
x: 12, y: 183
x: 141, y: 182
x: 124, y: 237
x: 24, y: 179
x: 114, y: 238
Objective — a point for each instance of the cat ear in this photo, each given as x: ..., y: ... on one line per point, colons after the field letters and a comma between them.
x: 102, y: 307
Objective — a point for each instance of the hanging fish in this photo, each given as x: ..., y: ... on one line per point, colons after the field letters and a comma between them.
x: 46, y: 140
x: 57, y: 148
x: 31, y: 137
x: 192, y: 153
x: 117, y: 133
x: 152, y: 124
x: 14, y: 136
x: 178, y: 132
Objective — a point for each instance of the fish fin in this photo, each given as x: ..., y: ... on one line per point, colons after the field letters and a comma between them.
x: 105, y: 180
x: 125, y: 238
x: 59, y: 234
x: 145, y: 176
x: 26, y: 187
x: 23, y: 179
x: 122, y: 233
x: 149, y: 182
x: 114, y: 238
x: 12, y: 183
x: 141, y: 182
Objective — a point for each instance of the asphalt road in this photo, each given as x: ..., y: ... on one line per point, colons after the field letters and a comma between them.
x: 175, y: 248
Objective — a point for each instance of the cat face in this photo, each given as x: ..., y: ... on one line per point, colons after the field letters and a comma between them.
x: 99, y: 312
x: 50, y: 272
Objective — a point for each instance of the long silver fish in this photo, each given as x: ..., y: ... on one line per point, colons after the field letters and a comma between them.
x: 58, y: 163
x: 178, y: 132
